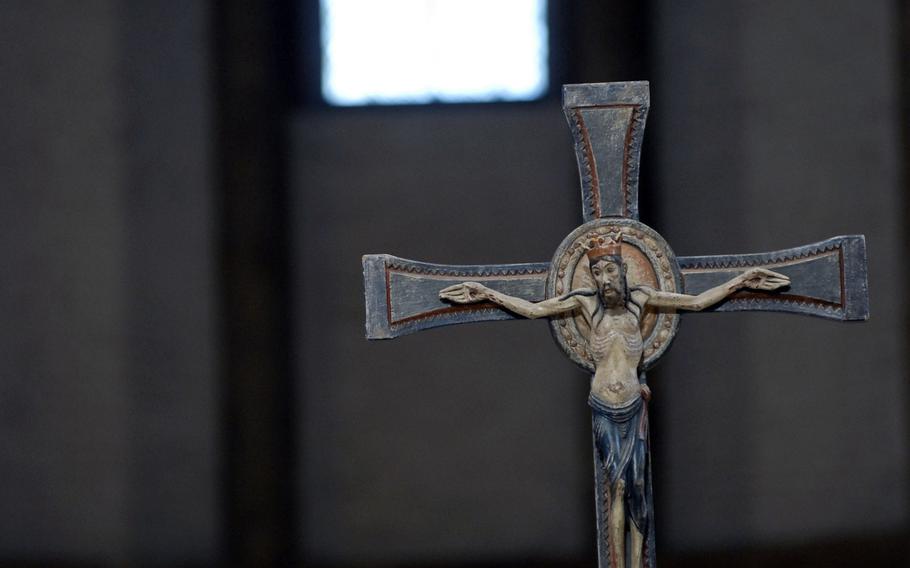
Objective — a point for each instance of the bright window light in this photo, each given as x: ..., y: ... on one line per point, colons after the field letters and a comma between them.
x: 424, y: 51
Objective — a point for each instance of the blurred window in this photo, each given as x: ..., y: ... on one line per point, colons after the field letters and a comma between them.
x: 426, y: 51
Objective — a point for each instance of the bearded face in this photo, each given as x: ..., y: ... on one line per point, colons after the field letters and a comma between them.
x: 610, y: 276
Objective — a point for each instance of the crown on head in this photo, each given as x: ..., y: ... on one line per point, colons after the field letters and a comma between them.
x: 607, y: 245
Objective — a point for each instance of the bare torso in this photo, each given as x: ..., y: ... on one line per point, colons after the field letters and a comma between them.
x: 615, y: 339
x: 616, y: 345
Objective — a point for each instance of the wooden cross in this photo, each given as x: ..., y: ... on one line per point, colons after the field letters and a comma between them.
x: 826, y: 279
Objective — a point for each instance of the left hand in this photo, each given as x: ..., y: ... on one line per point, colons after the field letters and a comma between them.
x: 763, y: 279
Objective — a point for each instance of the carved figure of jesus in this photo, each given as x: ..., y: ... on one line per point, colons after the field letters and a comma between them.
x: 613, y: 312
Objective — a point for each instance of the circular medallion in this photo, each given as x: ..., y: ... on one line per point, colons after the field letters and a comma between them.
x: 649, y: 261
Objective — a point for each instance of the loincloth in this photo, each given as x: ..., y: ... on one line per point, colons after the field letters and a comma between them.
x: 621, y: 439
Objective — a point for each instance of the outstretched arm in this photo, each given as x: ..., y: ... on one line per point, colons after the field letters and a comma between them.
x: 471, y: 292
x: 755, y: 279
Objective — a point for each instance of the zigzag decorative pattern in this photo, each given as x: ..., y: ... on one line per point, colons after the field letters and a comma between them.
x: 773, y: 304
x: 445, y: 314
x: 591, y: 197
x: 631, y: 155
x: 449, y: 313
x: 750, y: 261
x: 458, y: 272
x: 630, y: 165
x: 606, y: 504
x: 781, y: 302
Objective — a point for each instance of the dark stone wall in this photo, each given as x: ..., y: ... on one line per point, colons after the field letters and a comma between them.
x: 458, y: 443
x: 108, y: 443
x: 778, y: 124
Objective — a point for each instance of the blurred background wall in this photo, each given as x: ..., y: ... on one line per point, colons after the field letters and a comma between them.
x: 109, y: 408
x: 183, y: 375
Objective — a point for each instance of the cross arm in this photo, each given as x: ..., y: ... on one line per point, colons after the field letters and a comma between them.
x: 828, y: 279
x: 402, y: 296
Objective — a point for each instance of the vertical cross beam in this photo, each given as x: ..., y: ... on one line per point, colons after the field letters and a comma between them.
x: 608, y: 124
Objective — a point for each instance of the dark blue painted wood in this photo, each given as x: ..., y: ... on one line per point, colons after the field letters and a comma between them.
x: 402, y: 296
x: 828, y: 279
x: 608, y: 124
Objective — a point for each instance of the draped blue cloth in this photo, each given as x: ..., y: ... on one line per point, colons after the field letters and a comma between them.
x: 621, y: 439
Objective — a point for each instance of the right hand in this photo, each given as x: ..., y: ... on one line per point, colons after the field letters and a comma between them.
x: 646, y: 393
x: 465, y: 293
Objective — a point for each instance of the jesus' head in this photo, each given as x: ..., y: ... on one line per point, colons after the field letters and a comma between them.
x: 610, y: 275
x: 609, y: 270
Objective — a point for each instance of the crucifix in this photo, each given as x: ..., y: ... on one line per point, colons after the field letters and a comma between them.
x: 613, y: 294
